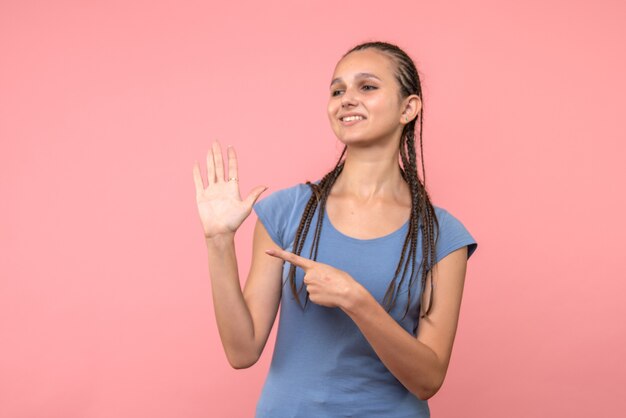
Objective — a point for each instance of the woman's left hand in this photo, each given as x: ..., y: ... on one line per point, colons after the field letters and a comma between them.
x: 327, y: 286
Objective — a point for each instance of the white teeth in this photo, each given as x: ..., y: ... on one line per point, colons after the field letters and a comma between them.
x: 351, y: 118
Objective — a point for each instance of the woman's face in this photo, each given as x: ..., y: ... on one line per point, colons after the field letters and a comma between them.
x: 364, y: 104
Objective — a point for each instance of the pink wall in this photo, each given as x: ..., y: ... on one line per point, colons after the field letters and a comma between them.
x: 105, y: 304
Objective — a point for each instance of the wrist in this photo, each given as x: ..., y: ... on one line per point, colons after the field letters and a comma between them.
x: 219, y: 240
x: 356, y: 299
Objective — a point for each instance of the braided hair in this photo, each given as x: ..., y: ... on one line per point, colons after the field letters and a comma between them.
x: 422, y: 211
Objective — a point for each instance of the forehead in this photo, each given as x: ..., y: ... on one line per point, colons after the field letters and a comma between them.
x: 369, y: 61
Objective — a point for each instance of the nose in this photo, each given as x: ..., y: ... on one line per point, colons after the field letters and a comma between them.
x: 348, y: 98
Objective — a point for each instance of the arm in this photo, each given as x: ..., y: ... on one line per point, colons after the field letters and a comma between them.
x: 421, y: 363
x: 244, y: 320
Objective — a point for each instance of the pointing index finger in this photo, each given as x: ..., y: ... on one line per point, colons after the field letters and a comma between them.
x: 296, y: 260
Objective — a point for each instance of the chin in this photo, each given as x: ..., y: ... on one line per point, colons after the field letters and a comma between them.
x: 355, y: 139
x: 348, y: 139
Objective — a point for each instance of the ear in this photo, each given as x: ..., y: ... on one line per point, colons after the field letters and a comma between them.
x: 411, y: 106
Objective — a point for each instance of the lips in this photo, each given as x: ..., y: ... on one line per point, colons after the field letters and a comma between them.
x: 351, y: 117
x: 348, y: 119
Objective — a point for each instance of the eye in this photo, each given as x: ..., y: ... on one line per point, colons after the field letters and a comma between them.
x: 369, y: 87
x: 335, y: 93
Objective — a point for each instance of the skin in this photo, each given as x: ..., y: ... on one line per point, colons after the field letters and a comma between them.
x: 369, y: 187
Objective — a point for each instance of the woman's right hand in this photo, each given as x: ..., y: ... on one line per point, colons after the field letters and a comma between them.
x: 220, y: 206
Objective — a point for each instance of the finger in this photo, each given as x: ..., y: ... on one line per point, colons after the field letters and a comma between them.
x: 254, y: 195
x: 307, y: 279
x: 219, y: 162
x: 197, y: 178
x: 232, y: 162
x: 210, y: 167
x: 304, y: 263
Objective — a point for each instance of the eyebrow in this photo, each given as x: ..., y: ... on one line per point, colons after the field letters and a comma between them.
x: 359, y: 75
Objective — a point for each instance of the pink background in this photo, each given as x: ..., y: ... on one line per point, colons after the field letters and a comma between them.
x: 105, y: 302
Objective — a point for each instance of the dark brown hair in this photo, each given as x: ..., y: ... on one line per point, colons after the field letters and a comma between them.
x: 422, y: 213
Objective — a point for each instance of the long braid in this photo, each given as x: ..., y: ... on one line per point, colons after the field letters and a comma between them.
x: 416, y: 208
x: 429, y: 220
x: 409, y: 240
x: 318, y: 198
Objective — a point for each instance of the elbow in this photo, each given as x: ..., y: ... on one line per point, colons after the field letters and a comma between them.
x: 238, y: 366
x: 425, y: 392
x: 242, y: 361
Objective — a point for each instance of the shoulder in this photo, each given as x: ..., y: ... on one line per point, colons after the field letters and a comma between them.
x: 290, y: 195
x: 444, y: 215
x: 452, y: 233
x: 280, y: 210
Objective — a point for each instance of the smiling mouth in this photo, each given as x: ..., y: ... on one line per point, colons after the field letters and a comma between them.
x: 351, y: 118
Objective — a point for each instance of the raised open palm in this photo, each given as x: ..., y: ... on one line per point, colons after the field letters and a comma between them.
x: 220, y: 206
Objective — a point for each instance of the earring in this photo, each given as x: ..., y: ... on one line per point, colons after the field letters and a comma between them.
x: 406, y: 118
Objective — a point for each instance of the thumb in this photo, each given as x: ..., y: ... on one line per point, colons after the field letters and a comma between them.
x: 254, y: 195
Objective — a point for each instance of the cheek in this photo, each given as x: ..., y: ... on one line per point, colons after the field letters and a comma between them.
x: 385, y: 110
x: 382, y: 105
x: 331, y: 107
x: 331, y: 112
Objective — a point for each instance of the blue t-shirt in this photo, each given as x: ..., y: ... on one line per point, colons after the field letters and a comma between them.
x: 322, y: 364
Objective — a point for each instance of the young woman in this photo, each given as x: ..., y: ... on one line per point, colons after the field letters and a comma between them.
x: 370, y: 299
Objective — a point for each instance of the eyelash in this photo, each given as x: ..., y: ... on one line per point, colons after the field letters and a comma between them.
x: 334, y: 93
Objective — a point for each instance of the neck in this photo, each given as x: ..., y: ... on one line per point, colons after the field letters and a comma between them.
x: 371, y: 173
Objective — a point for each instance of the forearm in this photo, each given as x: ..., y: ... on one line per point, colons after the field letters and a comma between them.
x: 234, y: 321
x: 413, y: 363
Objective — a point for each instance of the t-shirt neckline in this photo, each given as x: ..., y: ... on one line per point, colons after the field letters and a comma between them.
x: 375, y: 239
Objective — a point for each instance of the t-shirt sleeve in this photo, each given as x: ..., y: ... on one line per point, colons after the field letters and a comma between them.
x: 452, y: 236
x: 274, y: 211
